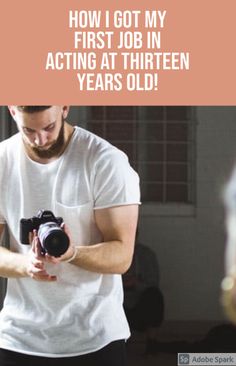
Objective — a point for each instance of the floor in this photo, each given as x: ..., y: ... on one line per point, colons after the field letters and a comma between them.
x: 137, y: 357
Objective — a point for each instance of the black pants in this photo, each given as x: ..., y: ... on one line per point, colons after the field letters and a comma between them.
x: 148, y: 312
x: 114, y: 354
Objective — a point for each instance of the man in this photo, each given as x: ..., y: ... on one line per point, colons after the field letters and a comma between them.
x: 67, y: 307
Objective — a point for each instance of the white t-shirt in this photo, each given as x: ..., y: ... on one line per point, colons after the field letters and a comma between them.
x: 82, y: 311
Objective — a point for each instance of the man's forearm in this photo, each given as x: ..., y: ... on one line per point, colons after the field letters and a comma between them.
x: 109, y: 257
x: 114, y: 255
x: 12, y: 265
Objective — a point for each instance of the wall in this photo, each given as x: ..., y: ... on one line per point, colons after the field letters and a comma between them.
x: 190, y: 249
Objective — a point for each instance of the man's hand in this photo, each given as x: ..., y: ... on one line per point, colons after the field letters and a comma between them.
x: 36, y: 261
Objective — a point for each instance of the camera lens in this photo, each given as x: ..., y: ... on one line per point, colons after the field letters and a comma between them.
x: 53, y: 239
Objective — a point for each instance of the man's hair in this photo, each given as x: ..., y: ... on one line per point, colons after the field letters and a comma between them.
x: 32, y: 108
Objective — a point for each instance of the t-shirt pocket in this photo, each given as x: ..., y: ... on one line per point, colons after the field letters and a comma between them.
x: 79, y: 220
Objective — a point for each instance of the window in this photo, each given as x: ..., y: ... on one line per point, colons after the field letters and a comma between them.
x: 160, y: 144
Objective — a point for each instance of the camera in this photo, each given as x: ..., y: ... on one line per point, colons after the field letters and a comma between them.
x: 52, y: 238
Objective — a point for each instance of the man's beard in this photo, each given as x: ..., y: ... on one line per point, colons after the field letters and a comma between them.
x: 54, y: 150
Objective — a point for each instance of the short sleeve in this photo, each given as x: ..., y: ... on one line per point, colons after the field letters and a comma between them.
x: 115, y: 181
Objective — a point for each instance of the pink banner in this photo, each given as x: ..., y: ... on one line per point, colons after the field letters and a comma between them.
x: 118, y: 53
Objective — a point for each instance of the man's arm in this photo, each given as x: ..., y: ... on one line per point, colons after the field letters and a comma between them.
x: 114, y: 254
x: 11, y: 264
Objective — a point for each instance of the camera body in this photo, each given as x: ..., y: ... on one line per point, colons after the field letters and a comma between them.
x: 53, y: 239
